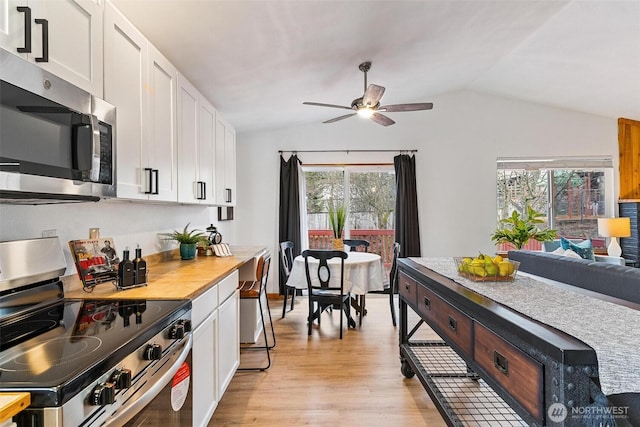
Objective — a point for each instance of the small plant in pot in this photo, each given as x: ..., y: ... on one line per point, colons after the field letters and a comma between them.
x: 518, y: 229
x: 337, y: 220
x: 188, y: 241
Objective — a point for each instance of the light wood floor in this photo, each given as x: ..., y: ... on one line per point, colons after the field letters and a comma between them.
x: 324, y: 381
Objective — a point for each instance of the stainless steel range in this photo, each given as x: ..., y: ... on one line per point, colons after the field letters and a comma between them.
x: 85, y: 362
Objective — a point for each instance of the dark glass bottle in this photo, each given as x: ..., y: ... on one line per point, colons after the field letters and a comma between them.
x: 126, y: 274
x: 140, y: 268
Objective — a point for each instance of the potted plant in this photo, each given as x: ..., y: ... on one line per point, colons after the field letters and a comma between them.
x: 337, y: 219
x: 188, y: 241
x: 519, y: 229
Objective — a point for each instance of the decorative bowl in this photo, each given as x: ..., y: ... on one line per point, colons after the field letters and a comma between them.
x: 504, y: 271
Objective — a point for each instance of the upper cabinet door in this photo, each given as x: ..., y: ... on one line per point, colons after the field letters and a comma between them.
x: 189, y: 188
x: 125, y: 54
x: 225, y: 163
x: 162, y: 130
x: 62, y: 36
x: 207, y: 150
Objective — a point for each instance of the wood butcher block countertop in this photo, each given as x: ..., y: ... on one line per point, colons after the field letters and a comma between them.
x: 171, y: 278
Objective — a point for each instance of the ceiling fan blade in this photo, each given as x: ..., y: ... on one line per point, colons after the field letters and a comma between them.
x: 406, y: 107
x: 319, y: 104
x: 372, y: 95
x: 340, y: 118
x: 381, y: 119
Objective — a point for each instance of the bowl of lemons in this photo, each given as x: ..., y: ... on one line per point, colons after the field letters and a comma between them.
x: 484, y: 268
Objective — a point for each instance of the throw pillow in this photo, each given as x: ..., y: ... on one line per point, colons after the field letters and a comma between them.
x: 571, y: 254
x: 584, y: 248
x: 558, y: 251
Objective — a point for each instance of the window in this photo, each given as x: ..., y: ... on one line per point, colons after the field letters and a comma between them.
x: 369, y: 194
x: 572, y: 192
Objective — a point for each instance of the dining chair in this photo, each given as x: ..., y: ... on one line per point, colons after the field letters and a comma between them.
x: 322, y: 292
x: 360, y: 300
x: 286, y: 263
x: 355, y: 244
x: 257, y: 289
x: 392, y: 287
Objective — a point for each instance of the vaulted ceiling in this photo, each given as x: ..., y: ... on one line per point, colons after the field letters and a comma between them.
x: 257, y: 61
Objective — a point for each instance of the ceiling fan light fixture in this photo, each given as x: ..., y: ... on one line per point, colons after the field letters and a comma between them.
x: 365, y: 112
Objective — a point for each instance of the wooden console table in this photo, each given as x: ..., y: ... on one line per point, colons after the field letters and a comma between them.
x: 530, y: 365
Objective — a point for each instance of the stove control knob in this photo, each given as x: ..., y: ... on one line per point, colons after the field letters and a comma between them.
x: 176, y: 332
x: 186, y: 323
x: 102, y: 394
x: 121, y: 378
x: 152, y: 352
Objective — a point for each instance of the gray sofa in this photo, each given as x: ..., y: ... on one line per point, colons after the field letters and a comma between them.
x: 609, y: 279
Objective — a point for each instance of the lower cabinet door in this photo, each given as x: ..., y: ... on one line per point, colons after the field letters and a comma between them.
x: 228, y: 340
x: 205, y: 387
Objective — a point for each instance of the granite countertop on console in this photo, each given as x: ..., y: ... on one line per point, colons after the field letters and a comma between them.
x: 612, y: 330
x: 171, y: 278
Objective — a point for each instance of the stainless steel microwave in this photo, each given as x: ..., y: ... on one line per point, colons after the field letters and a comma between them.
x: 57, y: 141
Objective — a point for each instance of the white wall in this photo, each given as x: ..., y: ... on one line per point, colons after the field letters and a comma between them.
x: 129, y: 223
x: 458, y: 143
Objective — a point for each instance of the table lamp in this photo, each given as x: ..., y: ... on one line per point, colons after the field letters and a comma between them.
x: 614, y: 228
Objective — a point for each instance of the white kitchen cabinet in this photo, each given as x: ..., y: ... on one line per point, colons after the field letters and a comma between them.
x: 141, y: 83
x: 205, y: 391
x: 225, y: 163
x: 66, y: 38
x: 228, y: 331
x: 216, y: 345
x: 196, y: 145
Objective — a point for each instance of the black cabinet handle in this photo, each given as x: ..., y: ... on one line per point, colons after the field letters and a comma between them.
x: 27, y: 29
x: 150, y: 190
x: 156, y: 172
x: 501, y: 363
x: 427, y: 303
x: 453, y: 324
x: 228, y: 195
x: 45, y: 40
x: 406, y: 286
x: 201, y: 190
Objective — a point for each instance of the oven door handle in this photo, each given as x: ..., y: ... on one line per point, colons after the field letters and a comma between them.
x: 127, y: 412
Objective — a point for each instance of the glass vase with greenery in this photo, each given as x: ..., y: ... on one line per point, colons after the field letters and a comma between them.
x: 337, y: 220
x: 518, y: 229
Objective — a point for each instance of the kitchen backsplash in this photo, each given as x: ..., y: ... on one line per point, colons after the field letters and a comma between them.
x: 128, y: 223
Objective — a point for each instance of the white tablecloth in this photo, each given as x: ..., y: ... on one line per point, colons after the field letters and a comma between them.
x: 363, y: 272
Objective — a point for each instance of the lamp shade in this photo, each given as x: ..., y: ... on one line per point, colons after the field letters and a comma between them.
x: 614, y: 227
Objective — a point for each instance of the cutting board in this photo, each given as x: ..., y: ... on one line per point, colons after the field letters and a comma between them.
x: 12, y: 403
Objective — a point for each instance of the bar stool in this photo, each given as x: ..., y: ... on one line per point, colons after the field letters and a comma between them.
x: 257, y: 289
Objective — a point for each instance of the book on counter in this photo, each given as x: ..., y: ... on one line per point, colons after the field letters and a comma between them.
x: 96, y: 260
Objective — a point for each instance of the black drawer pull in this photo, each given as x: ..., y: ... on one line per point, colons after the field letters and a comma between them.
x: 427, y: 303
x: 406, y: 286
x: 501, y: 363
x: 453, y: 324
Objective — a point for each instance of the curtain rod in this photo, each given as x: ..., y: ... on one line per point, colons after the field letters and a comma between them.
x: 413, y: 150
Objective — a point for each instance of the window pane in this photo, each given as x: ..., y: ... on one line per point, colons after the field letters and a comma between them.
x: 324, y: 188
x: 574, y: 197
x: 371, y: 210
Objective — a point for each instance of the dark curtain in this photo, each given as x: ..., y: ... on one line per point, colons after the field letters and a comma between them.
x: 407, y: 229
x: 289, y: 218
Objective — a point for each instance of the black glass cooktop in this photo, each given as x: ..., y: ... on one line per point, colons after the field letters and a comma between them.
x: 69, y: 344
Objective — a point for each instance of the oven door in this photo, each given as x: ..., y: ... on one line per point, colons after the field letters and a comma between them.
x: 166, y: 403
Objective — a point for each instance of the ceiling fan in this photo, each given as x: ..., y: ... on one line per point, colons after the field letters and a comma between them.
x: 369, y: 104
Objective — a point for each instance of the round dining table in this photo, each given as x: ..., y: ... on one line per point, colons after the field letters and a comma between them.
x: 363, y: 272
